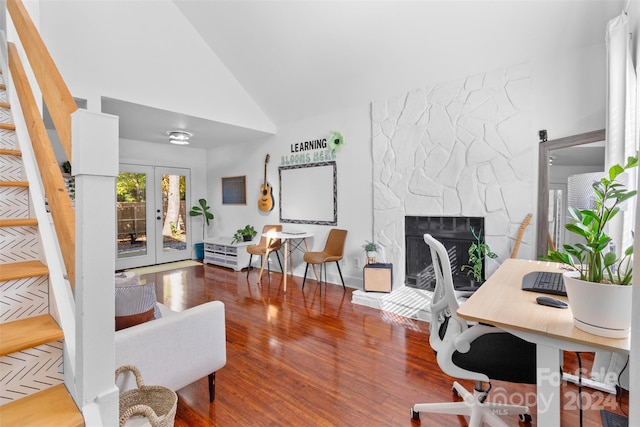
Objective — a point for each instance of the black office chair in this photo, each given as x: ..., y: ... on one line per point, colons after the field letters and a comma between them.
x: 472, y: 352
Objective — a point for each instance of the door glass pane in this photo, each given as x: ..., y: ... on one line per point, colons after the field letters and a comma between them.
x: 174, y: 233
x: 131, y: 191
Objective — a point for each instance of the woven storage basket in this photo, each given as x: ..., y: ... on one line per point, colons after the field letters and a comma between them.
x: 155, y: 402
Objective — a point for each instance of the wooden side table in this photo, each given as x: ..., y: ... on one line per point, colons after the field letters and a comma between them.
x: 377, y: 277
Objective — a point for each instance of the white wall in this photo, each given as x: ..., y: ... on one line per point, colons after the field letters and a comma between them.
x: 567, y: 89
x: 354, y: 183
x: 568, y: 96
x: 560, y: 174
x: 569, y: 92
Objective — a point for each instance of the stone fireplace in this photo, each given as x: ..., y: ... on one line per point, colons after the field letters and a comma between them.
x: 457, y: 149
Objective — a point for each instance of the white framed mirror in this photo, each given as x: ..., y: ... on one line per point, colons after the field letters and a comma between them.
x: 557, y: 148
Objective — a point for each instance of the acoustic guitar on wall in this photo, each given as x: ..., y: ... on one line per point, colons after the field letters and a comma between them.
x: 265, y: 201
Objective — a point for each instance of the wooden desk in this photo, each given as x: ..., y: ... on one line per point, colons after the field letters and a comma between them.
x: 286, y: 240
x: 502, y: 302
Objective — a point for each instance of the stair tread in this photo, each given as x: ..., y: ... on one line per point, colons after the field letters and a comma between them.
x: 14, y: 183
x: 51, y: 407
x: 5, y: 105
x: 9, y: 152
x: 26, y: 333
x: 20, y: 270
x: 9, y: 126
x: 18, y: 222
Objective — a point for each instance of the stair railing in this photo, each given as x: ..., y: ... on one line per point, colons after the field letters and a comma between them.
x: 88, y: 233
x: 54, y: 90
x: 61, y: 104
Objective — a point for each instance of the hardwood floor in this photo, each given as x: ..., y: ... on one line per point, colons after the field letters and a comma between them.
x: 301, y: 359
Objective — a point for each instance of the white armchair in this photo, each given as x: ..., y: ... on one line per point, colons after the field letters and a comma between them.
x: 175, y: 350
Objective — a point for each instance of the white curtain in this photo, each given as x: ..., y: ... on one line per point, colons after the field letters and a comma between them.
x: 622, y: 142
x: 621, y: 117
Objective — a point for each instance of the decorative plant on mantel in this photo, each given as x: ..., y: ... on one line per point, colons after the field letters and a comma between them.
x: 370, y: 246
x: 478, y: 250
x: 593, y: 258
x: 371, y: 249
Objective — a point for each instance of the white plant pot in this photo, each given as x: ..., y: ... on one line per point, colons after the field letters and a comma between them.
x: 600, y: 309
x: 371, y: 256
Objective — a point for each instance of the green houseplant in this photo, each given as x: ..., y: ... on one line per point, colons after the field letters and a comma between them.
x: 201, y: 209
x: 597, y: 306
x: 370, y: 246
x: 478, y: 250
x: 244, y: 234
x: 371, y: 249
x: 593, y: 257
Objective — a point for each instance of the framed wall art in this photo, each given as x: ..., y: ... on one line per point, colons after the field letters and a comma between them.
x: 234, y: 190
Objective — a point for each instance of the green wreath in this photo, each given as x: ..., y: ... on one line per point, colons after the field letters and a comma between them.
x: 336, y: 141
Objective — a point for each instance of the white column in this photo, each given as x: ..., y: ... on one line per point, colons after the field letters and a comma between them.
x: 95, y: 167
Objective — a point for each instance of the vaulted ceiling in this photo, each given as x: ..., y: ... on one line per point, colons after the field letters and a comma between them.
x: 300, y: 59
x: 303, y: 58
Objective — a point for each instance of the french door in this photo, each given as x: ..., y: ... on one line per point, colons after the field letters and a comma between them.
x: 152, y: 217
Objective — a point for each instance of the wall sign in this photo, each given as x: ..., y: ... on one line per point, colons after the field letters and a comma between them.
x: 314, y: 151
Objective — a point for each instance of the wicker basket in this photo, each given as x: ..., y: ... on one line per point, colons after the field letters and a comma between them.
x: 157, y: 403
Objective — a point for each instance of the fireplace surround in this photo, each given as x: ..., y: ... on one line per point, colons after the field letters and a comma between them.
x: 462, y: 148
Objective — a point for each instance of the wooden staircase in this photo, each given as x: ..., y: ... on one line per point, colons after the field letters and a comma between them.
x: 32, y: 390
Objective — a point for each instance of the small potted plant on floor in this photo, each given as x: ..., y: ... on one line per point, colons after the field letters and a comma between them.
x: 372, y: 250
x: 202, y: 209
x: 478, y: 251
x: 599, y: 290
x: 245, y: 234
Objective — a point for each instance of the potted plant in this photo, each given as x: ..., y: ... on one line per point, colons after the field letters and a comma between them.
x: 202, y: 209
x: 478, y: 250
x: 245, y: 234
x: 371, y: 249
x: 598, y: 289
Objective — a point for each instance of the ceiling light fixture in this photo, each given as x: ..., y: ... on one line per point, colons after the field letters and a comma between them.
x: 179, y: 137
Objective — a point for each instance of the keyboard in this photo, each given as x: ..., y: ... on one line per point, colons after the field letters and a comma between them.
x: 544, y: 282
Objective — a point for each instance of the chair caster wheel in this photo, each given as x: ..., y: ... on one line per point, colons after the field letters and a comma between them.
x: 455, y: 392
x: 415, y: 415
x: 525, y: 418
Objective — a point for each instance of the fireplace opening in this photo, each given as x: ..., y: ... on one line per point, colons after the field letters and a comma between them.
x: 454, y: 233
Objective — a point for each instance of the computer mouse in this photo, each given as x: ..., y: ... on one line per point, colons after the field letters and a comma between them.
x: 551, y: 302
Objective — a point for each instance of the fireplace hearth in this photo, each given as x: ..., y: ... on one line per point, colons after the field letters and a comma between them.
x: 454, y: 233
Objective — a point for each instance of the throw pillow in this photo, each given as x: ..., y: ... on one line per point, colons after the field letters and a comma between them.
x: 135, y: 319
x: 135, y: 303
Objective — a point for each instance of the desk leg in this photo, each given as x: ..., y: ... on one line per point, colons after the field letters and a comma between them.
x: 286, y: 256
x: 549, y: 379
x: 306, y: 246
